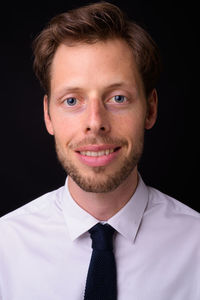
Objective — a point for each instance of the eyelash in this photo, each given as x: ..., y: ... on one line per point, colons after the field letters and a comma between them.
x: 70, y: 98
x: 124, y: 97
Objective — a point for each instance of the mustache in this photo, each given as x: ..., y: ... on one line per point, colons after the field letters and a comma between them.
x: 98, y: 141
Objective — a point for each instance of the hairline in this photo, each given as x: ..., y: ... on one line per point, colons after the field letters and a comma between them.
x: 74, y: 43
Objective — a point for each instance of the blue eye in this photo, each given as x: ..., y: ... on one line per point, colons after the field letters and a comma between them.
x: 71, y: 101
x: 119, y: 98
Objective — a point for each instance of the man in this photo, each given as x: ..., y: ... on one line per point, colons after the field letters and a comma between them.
x: 99, y: 72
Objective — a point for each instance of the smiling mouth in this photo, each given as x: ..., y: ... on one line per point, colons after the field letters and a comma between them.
x: 98, y: 153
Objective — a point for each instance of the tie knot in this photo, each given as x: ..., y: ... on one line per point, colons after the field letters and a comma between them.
x: 102, y: 236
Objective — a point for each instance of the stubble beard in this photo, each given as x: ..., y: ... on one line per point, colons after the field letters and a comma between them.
x: 106, y: 183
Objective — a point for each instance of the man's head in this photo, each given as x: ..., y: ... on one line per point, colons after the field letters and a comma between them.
x: 101, y: 21
x: 99, y: 72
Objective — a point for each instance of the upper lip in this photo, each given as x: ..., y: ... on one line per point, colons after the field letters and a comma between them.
x: 96, y: 148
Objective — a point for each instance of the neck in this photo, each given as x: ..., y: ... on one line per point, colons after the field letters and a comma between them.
x: 103, y: 206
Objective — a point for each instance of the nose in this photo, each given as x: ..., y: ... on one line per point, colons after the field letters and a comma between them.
x: 97, y: 118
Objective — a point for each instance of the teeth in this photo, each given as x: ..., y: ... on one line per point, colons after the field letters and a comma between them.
x: 97, y: 153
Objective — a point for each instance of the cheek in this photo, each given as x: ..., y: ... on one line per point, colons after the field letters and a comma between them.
x: 131, y: 125
x: 132, y: 129
x: 64, y: 129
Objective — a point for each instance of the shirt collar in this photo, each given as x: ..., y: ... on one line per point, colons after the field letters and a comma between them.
x: 126, y: 221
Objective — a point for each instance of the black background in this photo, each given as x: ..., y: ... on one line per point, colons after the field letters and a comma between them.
x: 29, y: 165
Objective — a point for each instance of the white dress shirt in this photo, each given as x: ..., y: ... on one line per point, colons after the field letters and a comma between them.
x: 45, y: 248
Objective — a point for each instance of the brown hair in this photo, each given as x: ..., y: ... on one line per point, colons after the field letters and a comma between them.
x: 88, y: 24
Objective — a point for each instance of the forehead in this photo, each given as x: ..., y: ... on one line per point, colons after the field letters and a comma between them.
x: 100, y: 63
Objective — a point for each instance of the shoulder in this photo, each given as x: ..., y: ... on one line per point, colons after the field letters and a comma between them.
x: 157, y: 197
x: 172, y: 210
x: 27, y: 224
x: 39, y: 206
x: 175, y: 224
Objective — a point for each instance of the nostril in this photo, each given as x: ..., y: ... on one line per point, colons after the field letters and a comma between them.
x: 90, y: 128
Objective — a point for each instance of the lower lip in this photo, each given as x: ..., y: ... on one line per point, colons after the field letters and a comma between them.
x: 97, y: 161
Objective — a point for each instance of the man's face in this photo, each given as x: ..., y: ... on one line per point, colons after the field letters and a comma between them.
x: 97, y: 113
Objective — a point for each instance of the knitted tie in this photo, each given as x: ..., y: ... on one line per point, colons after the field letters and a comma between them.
x: 101, y: 278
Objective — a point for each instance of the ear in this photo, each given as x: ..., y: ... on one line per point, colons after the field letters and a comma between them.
x: 152, y: 107
x: 47, y: 118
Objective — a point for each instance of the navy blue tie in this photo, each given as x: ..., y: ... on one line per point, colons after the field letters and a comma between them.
x: 101, y: 283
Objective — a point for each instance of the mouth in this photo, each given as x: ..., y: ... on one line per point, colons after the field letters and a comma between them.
x: 96, y: 155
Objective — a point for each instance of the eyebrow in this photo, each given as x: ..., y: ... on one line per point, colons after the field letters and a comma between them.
x: 117, y: 84
x: 78, y: 89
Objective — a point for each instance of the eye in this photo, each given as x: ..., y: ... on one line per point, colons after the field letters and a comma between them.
x: 119, y: 99
x: 71, y: 101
